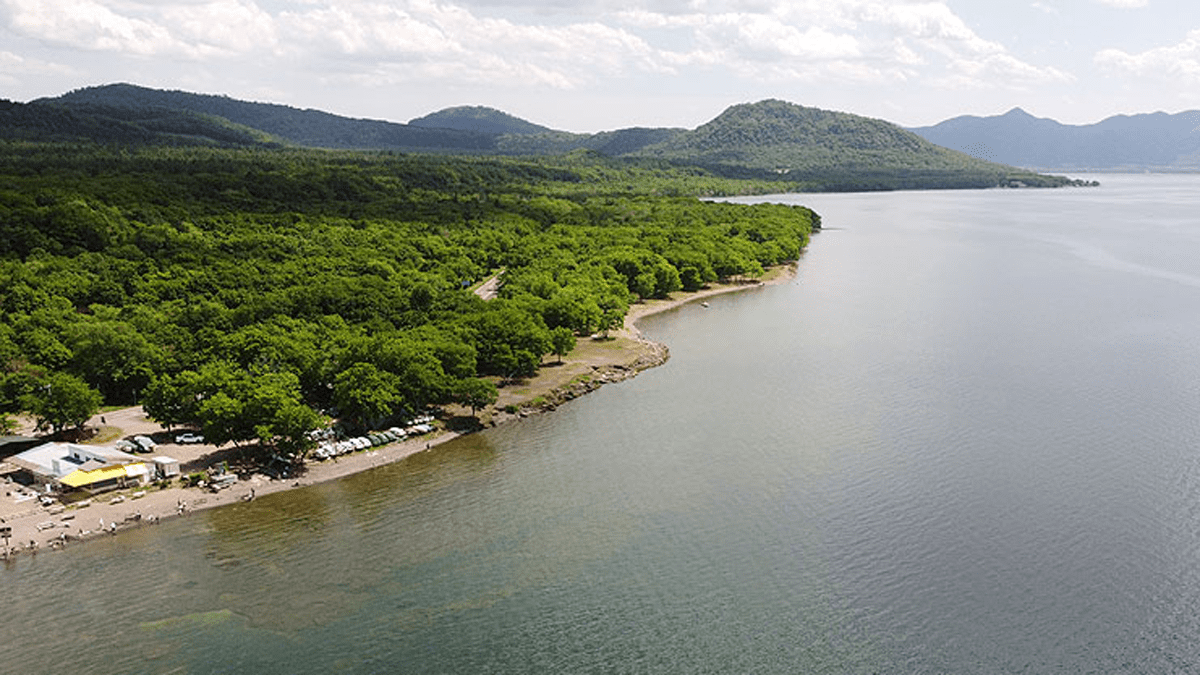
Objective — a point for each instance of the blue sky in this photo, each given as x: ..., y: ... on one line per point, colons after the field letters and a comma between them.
x: 592, y: 65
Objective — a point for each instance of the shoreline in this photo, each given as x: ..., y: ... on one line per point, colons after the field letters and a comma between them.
x: 591, y: 365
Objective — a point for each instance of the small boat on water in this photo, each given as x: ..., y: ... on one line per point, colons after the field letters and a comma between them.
x: 704, y: 305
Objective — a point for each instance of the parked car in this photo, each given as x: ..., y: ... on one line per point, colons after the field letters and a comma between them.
x: 145, y: 443
x: 189, y: 437
x: 324, y: 451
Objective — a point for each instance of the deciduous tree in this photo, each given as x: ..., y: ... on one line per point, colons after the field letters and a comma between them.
x: 62, y: 400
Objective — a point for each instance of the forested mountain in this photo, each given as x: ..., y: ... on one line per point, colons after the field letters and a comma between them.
x: 820, y: 149
x: 1130, y: 142
x: 480, y: 119
x: 309, y: 128
x: 245, y: 291
x: 146, y: 125
x: 811, y: 149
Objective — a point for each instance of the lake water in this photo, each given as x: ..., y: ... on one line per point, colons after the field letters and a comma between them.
x: 965, y: 439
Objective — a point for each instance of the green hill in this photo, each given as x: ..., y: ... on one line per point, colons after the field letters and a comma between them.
x: 820, y: 149
x: 309, y: 128
x: 148, y: 125
x: 478, y: 119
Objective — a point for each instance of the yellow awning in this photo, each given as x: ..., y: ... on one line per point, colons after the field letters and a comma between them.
x: 81, y: 478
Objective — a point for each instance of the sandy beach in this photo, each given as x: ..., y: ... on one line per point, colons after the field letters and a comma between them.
x: 40, y: 528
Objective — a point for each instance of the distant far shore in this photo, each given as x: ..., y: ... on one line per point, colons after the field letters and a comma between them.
x: 593, y: 363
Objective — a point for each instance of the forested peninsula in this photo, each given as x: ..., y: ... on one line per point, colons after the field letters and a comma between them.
x: 258, y: 294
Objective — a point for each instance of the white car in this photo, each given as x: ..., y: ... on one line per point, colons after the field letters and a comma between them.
x: 184, y: 439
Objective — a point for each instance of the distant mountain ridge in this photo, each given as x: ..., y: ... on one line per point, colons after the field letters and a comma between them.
x: 1152, y: 141
x: 311, y: 128
x: 116, y: 124
x: 812, y: 148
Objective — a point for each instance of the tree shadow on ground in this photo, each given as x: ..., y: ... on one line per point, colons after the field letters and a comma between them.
x: 463, y: 424
x: 238, y: 458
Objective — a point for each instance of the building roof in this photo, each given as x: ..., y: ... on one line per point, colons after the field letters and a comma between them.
x: 11, y: 445
x: 80, y: 477
x: 58, y: 460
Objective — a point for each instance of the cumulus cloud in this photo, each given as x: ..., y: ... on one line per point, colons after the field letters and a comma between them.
x: 1170, y: 63
x: 230, y: 26
x: 549, y: 43
x: 932, y: 28
x: 859, y: 40
x: 89, y: 24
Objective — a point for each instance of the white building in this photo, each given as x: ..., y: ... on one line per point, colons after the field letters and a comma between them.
x: 65, y: 466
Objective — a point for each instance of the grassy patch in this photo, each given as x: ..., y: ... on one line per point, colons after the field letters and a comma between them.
x: 105, y: 435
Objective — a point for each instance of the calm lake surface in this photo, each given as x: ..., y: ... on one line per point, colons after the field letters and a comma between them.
x: 966, y: 439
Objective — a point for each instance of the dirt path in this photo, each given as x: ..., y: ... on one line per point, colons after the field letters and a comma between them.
x: 489, y: 289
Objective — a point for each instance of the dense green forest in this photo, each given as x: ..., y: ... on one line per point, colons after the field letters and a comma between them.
x: 254, y: 292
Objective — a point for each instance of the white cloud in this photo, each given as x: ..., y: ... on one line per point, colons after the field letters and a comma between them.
x: 762, y: 37
x: 232, y: 26
x: 970, y: 60
x: 14, y: 65
x: 1125, y: 4
x: 547, y: 43
x: 365, y: 30
x: 89, y: 24
x: 839, y: 40
x: 1168, y: 63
